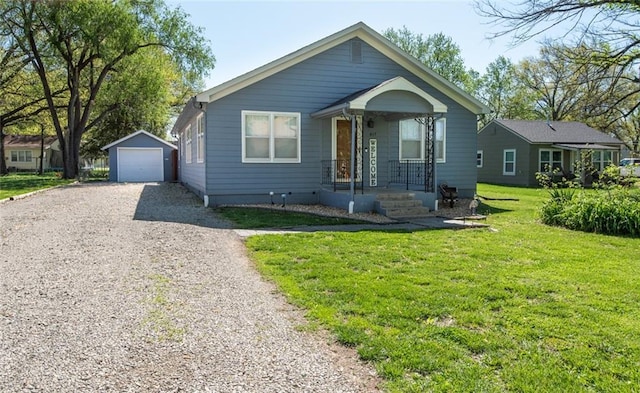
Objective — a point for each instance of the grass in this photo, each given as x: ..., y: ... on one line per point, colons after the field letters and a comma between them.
x: 524, y: 307
x: 252, y: 217
x: 22, y: 183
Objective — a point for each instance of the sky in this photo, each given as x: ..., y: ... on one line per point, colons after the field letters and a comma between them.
x: 245, y: 35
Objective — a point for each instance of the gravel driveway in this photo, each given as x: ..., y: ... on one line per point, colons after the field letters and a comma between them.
x: 137, y: 287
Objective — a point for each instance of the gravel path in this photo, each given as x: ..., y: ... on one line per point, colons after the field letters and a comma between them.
x: 137, y: 287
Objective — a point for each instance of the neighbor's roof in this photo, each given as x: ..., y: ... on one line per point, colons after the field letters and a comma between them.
x: 28, y: 141
x: 568, y: 132
x: 135, y: 134
x: 369, y: 36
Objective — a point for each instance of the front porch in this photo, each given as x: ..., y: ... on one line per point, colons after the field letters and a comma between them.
x: 396, y: 153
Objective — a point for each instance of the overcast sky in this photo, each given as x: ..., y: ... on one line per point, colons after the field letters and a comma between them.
x: 245, y: 35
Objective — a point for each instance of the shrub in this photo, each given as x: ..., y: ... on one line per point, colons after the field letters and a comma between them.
x: 615, y: 211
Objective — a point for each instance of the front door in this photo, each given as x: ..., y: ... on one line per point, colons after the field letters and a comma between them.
x: 342, y: 143
x: 341, y: 149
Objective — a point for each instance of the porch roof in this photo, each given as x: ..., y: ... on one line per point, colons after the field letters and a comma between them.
x: 371, y: 99
x: 584, y: 146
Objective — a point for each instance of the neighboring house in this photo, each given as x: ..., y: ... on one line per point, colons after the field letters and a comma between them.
x: 337, y: 122
x: 513, y: 151
x: 22, y: 152
x: 141, y: 157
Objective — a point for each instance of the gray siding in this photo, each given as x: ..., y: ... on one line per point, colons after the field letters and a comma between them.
x: 142, y: 141
x: 493, y: 140
x: 192, y: 174
x: 306, y: 88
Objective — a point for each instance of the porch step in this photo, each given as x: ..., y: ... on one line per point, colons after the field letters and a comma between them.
x: 400, y: 205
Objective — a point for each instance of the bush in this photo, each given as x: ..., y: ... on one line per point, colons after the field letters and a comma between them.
x: 615, y: 211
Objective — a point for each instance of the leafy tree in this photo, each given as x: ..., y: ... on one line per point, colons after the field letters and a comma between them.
x: 21, y: 99
x: 501, y: 91
x: 438, y: 52
x: 86, y: 41
x: 140, y: 95
x: 607, y: 39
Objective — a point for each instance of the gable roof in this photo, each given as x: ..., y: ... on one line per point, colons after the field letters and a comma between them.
x: 568, y: 132
x: 369, y: 36
x: 135, y: 134
x: 28, y: 141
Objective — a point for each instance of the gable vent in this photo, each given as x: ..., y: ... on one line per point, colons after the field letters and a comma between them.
x: 356, y: 51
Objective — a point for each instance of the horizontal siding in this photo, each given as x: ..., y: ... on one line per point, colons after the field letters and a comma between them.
x: 306, y: 88
x: 191, y: 174
x: 141, y: 141
x: 493, y: 140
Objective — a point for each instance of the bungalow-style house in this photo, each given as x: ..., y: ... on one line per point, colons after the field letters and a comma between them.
x: 513, y: 151
x: 340, y: 122
x: 22, y: 152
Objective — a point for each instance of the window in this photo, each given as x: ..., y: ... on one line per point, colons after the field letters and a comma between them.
x: 21, y: 156
x: 200, y: 139
x: 509, y: 162
x: 601, y: 159
x: 441, y: 140
x: 270, y: 137
x: 550, y: 160
x: 412, y: 138
x: 479, y: 159
x: 187, y: 150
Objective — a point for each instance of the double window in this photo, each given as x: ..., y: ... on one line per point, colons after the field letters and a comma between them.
x: 412, y: 140
x: 550, y: 160
x: 602, y: 159
x: 270, y: 137
x: 21, y: 156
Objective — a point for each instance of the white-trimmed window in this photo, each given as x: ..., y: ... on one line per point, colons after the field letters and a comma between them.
x: 21, y: 156
x: 187, y: 150
x: 270, y: 137
x: 441, y: 140
x: 550, y: 159
x: 412, y: 140
x: 200, y: 139
x: 479, y: 158
x: 602, y: 159
x: 509, y: 162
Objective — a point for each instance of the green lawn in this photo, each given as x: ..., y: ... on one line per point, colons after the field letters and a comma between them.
x: 522, y: 307
x: 22, y: 183
x: 254, y: 217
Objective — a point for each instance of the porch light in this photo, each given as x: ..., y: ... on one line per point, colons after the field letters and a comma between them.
x: 370, y: 123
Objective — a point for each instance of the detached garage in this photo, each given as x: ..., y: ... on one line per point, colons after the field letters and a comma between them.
x: 141, y: 157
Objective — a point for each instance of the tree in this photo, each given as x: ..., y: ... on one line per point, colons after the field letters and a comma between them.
x: 590, y: 23
x: 21, y: 99
x: 501, y: 91
x: 436, y: 51
x: 87, y: 40
x: 145, y: 89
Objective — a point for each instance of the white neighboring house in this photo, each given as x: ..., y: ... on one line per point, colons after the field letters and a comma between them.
x: 22, y: 152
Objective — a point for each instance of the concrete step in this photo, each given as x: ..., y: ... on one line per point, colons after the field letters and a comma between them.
x: 400, y: 205
x: 405, y: 213
x: 395, y: 196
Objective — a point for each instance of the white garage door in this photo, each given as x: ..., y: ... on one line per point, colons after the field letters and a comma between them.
x: 140, y: 164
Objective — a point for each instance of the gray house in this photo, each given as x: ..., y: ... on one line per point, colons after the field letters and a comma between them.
x: 340, y: 122
x: 141, y: 157
x: 513, y: 151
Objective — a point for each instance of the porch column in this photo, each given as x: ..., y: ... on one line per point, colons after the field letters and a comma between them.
x: 430, y: 154
x: 352, y: 184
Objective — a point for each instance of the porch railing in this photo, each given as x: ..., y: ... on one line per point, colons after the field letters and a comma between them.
x: 337, y: 173
x: 408, y: 172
